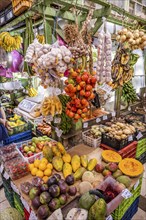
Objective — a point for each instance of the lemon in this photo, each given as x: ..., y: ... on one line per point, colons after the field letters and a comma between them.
x: 42, y: 166
x: 45, y: 179
x: 50, y: 166
x: 37, y: 163
x: 39, y: 173
x: 34, y: 171
x: 44, y: 160
x: 48, y: 172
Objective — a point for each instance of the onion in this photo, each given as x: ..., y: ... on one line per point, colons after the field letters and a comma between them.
x: 123, y: 38
x: 133, y: 42
x: 141, y: 33
x: 129, y: 34
x: 124, y: 31
x: 118, y: 38
x: 120, y: 32
x: 137, y: 41
x: 136, y: 35
x: 144, y: 38
x: 130, y: 40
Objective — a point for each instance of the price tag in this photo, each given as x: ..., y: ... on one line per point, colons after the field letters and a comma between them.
x: 98, y: 120
x: 15, y: 188
x: 58, y: 132
x: 38, y: 120
x: 109, y: 217
x: 105, y: 117
x: 26, y: 206
x: 130, y: 138
x: 136, y: 184
x: 49, y: 118
x: 85, y: 125
x: 139, y: 136
x: 6, y: 175
x: 126, y: 194
x: 57, y: 120
x: 1, y: 168
x: 32, y: 216
x: 107, y: 88
x: 113, y: 114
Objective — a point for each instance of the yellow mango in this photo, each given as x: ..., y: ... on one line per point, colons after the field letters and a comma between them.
x: 67, y: 169
x: 66, y: 158
x: 84, y: 161
x: 61, y: 148
x: 75, y: 162
x: 92, y: 163
x: 57, y: 163
x: 79, y: 173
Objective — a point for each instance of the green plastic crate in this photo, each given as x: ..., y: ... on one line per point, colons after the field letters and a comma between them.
x: 141, y: 147
x: 126, y: 203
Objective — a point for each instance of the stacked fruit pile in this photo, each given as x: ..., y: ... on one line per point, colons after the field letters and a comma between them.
x: 9, y: 43
x: 129, y: 93
x: 79, y: 87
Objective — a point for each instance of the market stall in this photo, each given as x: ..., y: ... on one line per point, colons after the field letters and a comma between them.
x: 76, y: 121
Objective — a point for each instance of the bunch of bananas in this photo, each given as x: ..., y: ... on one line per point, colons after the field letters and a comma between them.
x: 32, y: 92
x: 122, y: 66
x: 129, y: 93
x: 9, y: 43
x: 51, y: 105
x: 41, y: 39
x: 66, y: 122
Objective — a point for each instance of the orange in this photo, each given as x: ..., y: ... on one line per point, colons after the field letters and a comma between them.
x: 44, y: 160
x: 39, y: 173
x: 31, y: 166
x: 42, y: 166
x: 48, y: 172
x: 45, y: 179
x: 50, y: 166
x: 37, y: 163
x: 34, y: 171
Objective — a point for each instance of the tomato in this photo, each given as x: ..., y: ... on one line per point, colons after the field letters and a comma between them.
x: 85, y: 110
x: 87, y: 94
x: 73, y: 109
x: 83, y: 101
x: 78, y: 79
x: 82, y: 92
x: 78, y: 87
x: 79, y: 111
x: 66, y: 81
x: 85, y: 77
x: 77, y: 116
x: 71, y: 114
x: 88, y: 87
x: 82, y: 84
x: 74, y: 74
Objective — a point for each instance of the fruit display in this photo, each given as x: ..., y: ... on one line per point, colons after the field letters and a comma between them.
x: 32, y: 92
x: 139, y: 126
x: 104, y: 57
x: 135, y: 38
x: 79, y: 87
x: 51, y: 105
x: 111, y: 156
x: 44, y: 128
x: 120, y: 131
x: 66, y: 122
x: 122, y: 66
x: 129, y: 93
x: 16, y: 168
x: 10, y: 43
x: 131, y: 167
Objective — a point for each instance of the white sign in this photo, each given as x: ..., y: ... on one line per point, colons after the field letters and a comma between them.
x: 130, y: 138
x: 26, y: 206
x: 49, y: 118
x: 6, y: 175
x: 38, y: 120
x: 109, y: 217
x: 85, y: 125
x: 140, y: 135
x: 15, y: 188
x: 126, y: 194
x: 98, y: 120
x: 105, y: 117
x: 58, y: 132
x: 1, y: 168
x: 136, y: 184
x: 57, y: 120
x: 106, y: 88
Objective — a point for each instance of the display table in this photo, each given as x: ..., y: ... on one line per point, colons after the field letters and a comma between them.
x: 80, y: 150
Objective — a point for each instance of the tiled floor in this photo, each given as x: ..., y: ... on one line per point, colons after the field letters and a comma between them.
x: 140, y: 215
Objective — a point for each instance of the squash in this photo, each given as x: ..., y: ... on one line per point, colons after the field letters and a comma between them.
x: 131, y: 167
x: 111, y: 156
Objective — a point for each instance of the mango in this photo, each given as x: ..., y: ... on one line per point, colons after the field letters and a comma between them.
x: 75, y: 162
x: 125, y: 180
x: 66, y: 158
x: 84, y: 161
x: 92, y: 163
x: 61, y: 148
x: 97, y: 210
x: 67, y: 169
x: 79, y: 173
x: 57, y: 163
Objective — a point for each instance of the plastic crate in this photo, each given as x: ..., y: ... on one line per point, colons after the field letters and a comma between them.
x: 32, y: 158
x: 126, y: 203
x: 138, y: 116
x: 128, y: 151
x: 141, y: 147
x: 19, y: 137
x: 131, y: 211
x: 20, y: 128
x: 90, y: 141
x: 142, y: 158
x: 114, y: 143
x: 19, y: 6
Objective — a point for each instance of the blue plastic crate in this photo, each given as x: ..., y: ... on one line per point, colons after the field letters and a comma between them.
x: 24, y: 136
x: 131, y: 211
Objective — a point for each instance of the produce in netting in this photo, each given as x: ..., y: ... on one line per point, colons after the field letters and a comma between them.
x: 122, y: 65
x: 10, y: 43
x: 41, y: 38
x: 135, y: 38
x: 104, y: 57
x: 129, y: 93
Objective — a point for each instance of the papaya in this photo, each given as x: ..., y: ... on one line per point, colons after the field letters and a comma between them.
x: 97, y: 210
x: 57, y: 163
x: 67, y: 169
x: 79, y: 173
x: 75, y: 162
x: 61, y: 148
x: 47, y: 152
x: 92, y: 163
x: 66, y: 158
x: 84, y: 161
x: 55, y: 150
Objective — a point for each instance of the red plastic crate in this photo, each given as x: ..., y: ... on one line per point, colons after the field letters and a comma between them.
x: 26, y: 214
x: 128, y: 151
